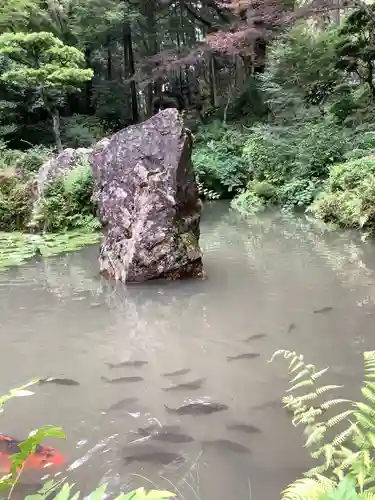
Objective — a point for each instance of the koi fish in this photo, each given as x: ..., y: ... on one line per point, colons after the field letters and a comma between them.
x: 44, y: 455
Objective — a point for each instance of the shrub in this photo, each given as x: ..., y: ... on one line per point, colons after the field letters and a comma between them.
x: 66, y: 203
x: 298, y: 192
x: 79, y: 131
x: 248, y: 203
x: 349, y: 196
x: 278, y: 154
x: 32, y: 159
x: 26, y: 162
x: 15, y: 201
x: 263, y: 189
x: 217, y: 159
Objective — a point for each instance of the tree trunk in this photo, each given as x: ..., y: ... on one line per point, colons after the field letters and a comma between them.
x: 153, y: 49
x: 88, y: 85
x: 129, y: 70
x: 56, y: 129
x: 213, y: 87
x: 109, y: 59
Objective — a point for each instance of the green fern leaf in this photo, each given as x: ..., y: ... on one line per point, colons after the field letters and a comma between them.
x: 307, y: 489
x: 296, y: 367
x: 368, y: 393
x: 319, y: 374
x: 320, y: 469
x: 316, y: 435
x: 300, y: 374
x: 304, y: 383
x: 325, y: 388
x: 308, y: 397
x: 364, y: 420
x: 343, y: 436
x: 339, y: 418
x: 295, y: 360
x: 332, y: 402
x: 364, y: 408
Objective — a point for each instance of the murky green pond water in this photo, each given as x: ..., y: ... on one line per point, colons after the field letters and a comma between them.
x: 58, y: 318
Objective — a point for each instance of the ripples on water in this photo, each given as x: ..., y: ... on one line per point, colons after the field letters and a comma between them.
x: 58, y: 318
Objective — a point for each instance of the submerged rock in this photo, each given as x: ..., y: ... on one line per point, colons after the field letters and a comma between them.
x: 148, y: 201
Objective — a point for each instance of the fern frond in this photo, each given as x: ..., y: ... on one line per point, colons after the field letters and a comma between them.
x: 325, y: 388
x: 345, y: 464
x: 304, y: 383
x: 366, y: 495
x: 308, y: 397
x: 343, y: 436
x: 320, y: 469
x: 307, y: 417
x: 316, y: 435
x: 364, y: 420
x: 368, y: 393
x: 365, y: 408
x: 296, y: 360
x: 300, y: 374
x: 328, y: 404
x: 307, y: 489
x: 319, y: 374
x: 299, y: 365
x: 339, y: 418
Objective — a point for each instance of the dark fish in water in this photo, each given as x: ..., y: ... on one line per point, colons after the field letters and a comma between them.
x: 255, y: 337
x: 246, y: 355
x: 271, y: 405
x: 323, y: 310
x: 155, y: 427
x: 123, y: 364
x: 121, y: 379
x: 122, y: 404
x: 292, y: 326
x: 58, y: 381
x: 183, y: 371
x: 195, y: 384
x: 198, y: 408
x: 153, y: 455
x: 226, y: 445
x: 249, y: 429
x: 167, y: 436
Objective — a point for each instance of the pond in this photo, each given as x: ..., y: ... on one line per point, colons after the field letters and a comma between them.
x: 266, y: 277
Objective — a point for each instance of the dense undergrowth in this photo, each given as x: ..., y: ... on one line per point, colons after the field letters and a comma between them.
x: 317, y: 133
x: 301, y: 134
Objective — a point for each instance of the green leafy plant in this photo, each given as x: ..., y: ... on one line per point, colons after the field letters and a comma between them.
x: 41, y: 62
x: 349, y: 196
x: 66, y: 202
x: 344, y: 453
x: 18, y: 248
x: 79, y: 131
x: 66, y: 492
x: 217, y: 160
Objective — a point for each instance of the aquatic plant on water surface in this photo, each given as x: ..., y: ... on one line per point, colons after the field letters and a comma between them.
x: 17, y: 248
x: 342, y: 442
x: 58, y: 489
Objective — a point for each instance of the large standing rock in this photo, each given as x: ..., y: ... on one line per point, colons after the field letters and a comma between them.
x: 148, y: 201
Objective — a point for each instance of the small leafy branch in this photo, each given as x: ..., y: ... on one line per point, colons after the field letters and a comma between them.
x: 347, y: 458
x: 65, y: 493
